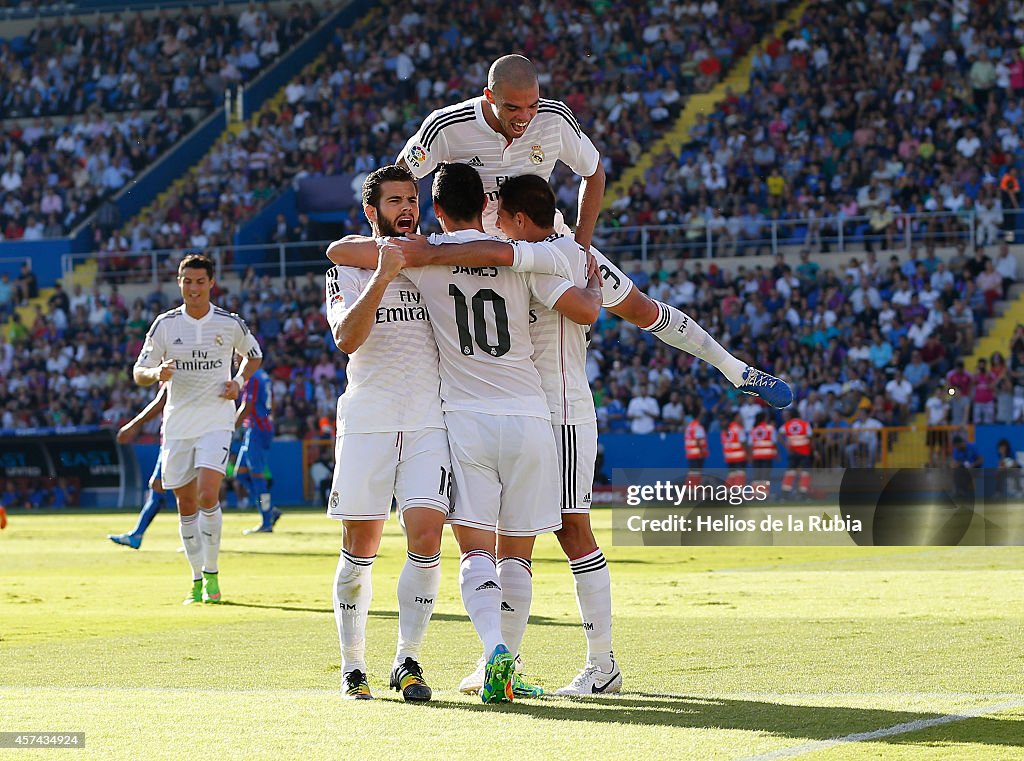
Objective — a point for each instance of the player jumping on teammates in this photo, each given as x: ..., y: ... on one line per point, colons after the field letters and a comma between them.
x: 190, y: 348
x: 256, y: 415
x: 510, y: 130
x: 155, y: 495
x: 391, y: 441
x: 499, y: 424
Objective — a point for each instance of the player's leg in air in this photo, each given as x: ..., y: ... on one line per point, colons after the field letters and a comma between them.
x: 154, y: 503
x: 683, y: 332
x: 193, y: 469
x: 252, y: 462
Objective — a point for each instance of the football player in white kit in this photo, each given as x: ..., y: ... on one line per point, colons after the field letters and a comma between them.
x: 191, y: 348
x: 503, y: 452
x: 510, y: 130
x: 391, y: 441
x: 526, y: 212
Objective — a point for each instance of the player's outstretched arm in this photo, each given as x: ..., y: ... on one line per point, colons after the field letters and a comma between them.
x: 131, y: 429
x: 519, y: 255
x: 352, y: 330
x: 354, y: 251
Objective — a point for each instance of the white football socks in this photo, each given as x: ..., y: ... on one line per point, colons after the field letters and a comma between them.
x: 516, y: 581
x: 594, y: 596
x: 481, y: 595
x: 683, y: 332
x: 189, y: 528
x: 210, y: 522
x: 417, y: 588
x: 353, y: 591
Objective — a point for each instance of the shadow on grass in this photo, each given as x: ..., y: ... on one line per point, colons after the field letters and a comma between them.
x: 392, y: 614
x: 796, y: 721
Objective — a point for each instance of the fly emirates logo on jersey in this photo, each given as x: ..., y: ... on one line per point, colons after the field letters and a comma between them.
x: 200, y: 361
x: 410, y: 309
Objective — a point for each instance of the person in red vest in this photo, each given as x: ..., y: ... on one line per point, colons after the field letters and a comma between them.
x: 763, y: 449
x: 696, y: 442
x: 735, y: 449
x: 796, y: 435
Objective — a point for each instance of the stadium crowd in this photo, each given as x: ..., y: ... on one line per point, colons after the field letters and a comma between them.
x: 624, y: 68
x: 100, y: 102
x: 873, y: 336
x: 861, y: 114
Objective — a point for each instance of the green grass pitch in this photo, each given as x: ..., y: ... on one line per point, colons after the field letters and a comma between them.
x: 727, y: 653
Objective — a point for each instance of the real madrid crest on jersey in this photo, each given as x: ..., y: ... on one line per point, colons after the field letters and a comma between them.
x: 536, y: 155
x: 219, y: 340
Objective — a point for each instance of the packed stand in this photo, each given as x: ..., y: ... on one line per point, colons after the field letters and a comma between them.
x: 862, y: 114
x: 354, y: 109
x: 868, y: 345
x: 173, y: 59
x: 106, y: 100
x: 71, y: 364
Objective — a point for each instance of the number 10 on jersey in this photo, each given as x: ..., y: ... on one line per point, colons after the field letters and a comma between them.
x: 479, y: 333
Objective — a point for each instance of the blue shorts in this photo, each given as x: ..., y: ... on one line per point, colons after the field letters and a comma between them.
x: 254, y: 451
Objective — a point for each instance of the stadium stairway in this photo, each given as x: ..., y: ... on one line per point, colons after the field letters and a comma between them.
x: 83, y: 275
x: 736, y: 81
x: 910, y: 450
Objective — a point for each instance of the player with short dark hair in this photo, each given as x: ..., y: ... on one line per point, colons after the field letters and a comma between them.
x: 190, y: 348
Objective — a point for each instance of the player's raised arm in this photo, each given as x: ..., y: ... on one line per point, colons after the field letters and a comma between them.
x: 352, y: 313
x: 581, y: 305
x: 354, y: 251
x: 591, y: 196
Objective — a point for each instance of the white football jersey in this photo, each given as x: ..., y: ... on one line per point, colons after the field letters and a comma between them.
x: 559, y: 344
x: 393, y: 381
x: 459, y: 133
x: 202, y: 351
x: 481, y: 319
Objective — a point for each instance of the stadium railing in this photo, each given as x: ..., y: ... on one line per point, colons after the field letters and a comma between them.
x: 274, y: 259
x: 875, y: 447
x: 829, y: 233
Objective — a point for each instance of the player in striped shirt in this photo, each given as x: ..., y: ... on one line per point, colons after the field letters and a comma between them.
x: 255, y: 415
x: 510, y: 130
x: 190, y: 348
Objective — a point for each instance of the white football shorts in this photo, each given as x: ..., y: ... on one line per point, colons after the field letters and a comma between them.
x: 577, y: 453
x: 506, y: 473
x: 413, y: 467
x: 181, y: 459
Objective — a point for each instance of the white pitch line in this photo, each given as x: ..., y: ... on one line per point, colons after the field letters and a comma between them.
x: 898, y: 729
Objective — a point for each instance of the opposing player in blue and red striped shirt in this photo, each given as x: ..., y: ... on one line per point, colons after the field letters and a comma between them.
x: 256, y: 417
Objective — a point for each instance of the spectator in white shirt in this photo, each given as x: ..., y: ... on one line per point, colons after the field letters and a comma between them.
x: 643, y: 411
x: 1006, y: 266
